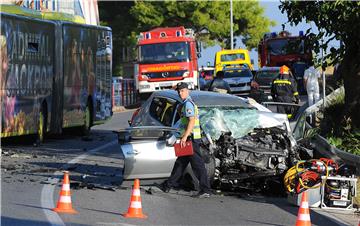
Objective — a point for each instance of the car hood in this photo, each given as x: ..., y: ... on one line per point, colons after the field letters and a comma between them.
x: 237, y: 80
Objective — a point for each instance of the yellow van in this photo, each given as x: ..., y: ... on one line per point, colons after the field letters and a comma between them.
x: 229, y: 58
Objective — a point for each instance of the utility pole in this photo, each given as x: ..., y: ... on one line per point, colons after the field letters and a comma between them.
x: 231, y: 26
x: 322, y: 69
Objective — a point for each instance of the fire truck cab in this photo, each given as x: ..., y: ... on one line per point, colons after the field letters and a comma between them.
x: 277, y: 49
x: 166, y: 56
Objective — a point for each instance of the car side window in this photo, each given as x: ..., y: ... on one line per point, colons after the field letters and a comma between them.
x: 162, y: 109
x: 177, y: 113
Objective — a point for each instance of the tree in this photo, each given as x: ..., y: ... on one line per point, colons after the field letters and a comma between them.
x: 116, y: 14
x: 335, y: 20
x: 209, y: 19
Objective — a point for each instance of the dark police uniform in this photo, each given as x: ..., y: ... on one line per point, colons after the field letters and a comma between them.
x: 189, y: 109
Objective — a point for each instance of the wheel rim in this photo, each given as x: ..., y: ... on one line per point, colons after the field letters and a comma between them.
x: 41, y: 127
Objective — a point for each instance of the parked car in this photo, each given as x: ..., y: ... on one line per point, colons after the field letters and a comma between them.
x: 239, y: 79
x: 243, y: 143
x: 264, y: 78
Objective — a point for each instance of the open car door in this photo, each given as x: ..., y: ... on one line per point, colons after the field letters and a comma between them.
x: 146, y: 153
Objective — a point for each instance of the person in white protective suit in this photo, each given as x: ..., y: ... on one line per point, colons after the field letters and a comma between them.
x: 311, y: 76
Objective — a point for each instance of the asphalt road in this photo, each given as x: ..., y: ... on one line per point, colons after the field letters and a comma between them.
x: 31, y: 181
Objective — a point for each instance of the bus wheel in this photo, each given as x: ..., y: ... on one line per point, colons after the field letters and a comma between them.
x: 87, y: 121
x: 41, y: 127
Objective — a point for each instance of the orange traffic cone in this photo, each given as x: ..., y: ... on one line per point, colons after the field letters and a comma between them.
x: 64, y: 202
x: 135, y: 208
x: 303, y: 218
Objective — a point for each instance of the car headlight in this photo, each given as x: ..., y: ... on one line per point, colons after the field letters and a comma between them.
x: 186, y: 74
x: 144, y: 77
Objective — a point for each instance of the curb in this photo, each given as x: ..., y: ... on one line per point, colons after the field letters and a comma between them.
x: 118, y: 109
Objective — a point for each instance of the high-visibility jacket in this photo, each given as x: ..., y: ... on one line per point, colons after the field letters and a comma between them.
x: 284, y: 89
x: 196, y: 132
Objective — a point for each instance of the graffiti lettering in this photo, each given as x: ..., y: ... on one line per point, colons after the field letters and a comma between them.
x: 29, y: 80
x: 23, y: 51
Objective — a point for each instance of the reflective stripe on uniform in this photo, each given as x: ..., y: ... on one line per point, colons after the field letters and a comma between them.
x: 280, y: 81
x: 184, y: 122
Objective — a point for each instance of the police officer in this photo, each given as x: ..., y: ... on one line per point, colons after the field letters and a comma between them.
x: 284, y: 89
x: 190, y: 130
x: 218, y: 84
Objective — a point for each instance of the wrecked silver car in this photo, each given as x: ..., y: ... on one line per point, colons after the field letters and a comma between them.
x: 244, y: 146
x: 243, y: 143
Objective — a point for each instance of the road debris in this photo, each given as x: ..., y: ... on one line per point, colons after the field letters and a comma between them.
x: 50, y: 180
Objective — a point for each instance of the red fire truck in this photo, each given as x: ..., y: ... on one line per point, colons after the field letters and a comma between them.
x: 277, y: 49
x: 166, y: 56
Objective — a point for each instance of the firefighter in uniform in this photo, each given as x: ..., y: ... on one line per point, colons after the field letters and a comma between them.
x: 190, y: 130
x: 284, y: 89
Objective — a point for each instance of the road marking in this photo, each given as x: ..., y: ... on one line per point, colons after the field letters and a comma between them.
x: 47, y: 193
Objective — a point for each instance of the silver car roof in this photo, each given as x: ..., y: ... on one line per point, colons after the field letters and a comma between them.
x: 205, y: 98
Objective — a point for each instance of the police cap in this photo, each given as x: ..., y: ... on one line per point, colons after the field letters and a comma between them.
x: 182, y: 85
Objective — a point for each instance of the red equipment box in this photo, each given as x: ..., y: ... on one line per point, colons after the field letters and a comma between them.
x: 184, y: 151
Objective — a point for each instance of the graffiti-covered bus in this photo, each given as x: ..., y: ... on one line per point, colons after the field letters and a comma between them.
x: 54, y: 75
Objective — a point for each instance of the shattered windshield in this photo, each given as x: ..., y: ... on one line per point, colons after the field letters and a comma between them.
x: 239, y: 121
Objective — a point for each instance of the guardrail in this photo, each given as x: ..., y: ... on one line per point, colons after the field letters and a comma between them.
x: 123, y: 92
x: 321, y: 145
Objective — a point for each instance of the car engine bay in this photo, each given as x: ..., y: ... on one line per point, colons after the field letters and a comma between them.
x: 263, y: 154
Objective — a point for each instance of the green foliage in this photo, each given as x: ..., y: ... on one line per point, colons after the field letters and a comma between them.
x: 338, y: 20
x: 209, y: 19
x: 349, y: 142
x: 338, y: 129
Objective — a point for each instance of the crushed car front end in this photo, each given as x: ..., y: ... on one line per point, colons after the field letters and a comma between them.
x: 249, y: 147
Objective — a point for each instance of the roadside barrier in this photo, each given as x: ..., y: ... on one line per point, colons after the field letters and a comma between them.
x: 135, y: 208
x: 64, y: 202
x: 123, y: 92
x: 303, y: 218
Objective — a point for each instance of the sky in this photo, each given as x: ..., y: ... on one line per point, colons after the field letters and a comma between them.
x: 273, y: 12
